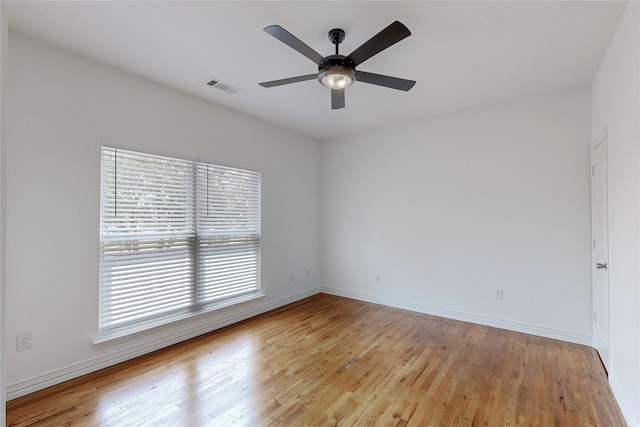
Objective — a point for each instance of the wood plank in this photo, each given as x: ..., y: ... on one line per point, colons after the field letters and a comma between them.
x: 328, y: 360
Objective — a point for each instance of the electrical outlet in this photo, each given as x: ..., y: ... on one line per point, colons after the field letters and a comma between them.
x: 24, y: 342
x: 290, y: 277
x: 379, y: 278
x: 499, y: 294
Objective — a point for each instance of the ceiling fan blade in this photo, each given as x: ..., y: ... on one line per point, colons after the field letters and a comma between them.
x: 289, y: 80
x: 337, y: 99
x: 293, y: 42
x: 391, y: 35
x: 386, y: 81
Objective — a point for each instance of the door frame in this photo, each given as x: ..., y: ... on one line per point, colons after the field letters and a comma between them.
x: 605, y: 358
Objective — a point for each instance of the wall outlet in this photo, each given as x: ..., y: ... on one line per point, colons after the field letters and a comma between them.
x: 499, y: 294
x: 291, y: 277
x: 24, y: 342
x: 379, y: 278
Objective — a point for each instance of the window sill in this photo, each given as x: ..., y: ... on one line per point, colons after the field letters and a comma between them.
x: 110, y: 340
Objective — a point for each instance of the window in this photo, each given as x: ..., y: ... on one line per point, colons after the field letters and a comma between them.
x: 177, y: 237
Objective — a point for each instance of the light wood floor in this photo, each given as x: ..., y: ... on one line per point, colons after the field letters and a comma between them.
x: 328, y: 361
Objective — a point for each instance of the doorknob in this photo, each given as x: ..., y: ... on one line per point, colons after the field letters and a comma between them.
x: 601, y: 266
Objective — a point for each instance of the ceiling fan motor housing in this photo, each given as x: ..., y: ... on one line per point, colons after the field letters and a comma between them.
x: 336, y: 64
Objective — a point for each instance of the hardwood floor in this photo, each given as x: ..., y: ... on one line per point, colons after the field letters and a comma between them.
x: 328, y: 361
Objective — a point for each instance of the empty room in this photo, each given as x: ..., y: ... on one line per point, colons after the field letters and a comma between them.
x: 367, y: 213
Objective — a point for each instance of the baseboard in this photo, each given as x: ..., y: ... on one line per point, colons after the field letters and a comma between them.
x: 625, y: 407
x: 56, y: 377
x: 465, y: 317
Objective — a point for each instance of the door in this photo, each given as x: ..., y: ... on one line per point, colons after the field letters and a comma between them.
x: 600, y: 246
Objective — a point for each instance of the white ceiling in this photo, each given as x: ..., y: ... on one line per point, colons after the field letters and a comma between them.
x: 462, y: 54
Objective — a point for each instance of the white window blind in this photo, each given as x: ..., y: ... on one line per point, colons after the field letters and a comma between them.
x: 228, y: 232
x: 176, y: 237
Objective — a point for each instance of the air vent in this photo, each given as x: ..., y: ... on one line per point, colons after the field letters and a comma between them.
x: 222, y: 86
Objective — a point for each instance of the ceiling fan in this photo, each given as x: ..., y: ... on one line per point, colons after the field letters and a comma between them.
x: 338, y: 71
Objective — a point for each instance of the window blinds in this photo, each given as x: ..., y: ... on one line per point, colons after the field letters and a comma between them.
x: 176, y: 236
x: 228, y: 232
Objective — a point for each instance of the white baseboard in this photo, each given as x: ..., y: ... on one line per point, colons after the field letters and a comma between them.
x: 465, y: 317
x: 56, y: 377
x: 624, y: 405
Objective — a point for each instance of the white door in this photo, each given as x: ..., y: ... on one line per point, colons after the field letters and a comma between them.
x: 600, y: 246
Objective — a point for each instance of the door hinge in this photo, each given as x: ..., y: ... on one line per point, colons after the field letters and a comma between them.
x: 593, y: 171
x: 595, y: 317
x: 594, y: 244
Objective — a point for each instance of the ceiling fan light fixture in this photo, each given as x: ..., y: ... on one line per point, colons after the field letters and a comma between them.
x: 337, y: 77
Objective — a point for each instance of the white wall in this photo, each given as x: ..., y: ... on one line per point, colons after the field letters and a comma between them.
x: 448, y: 210
x: 616, y: 94
x: 3, y: 203
x: 60, y: 107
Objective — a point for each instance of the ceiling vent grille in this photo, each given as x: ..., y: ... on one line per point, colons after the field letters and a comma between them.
x: 227, y: 88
